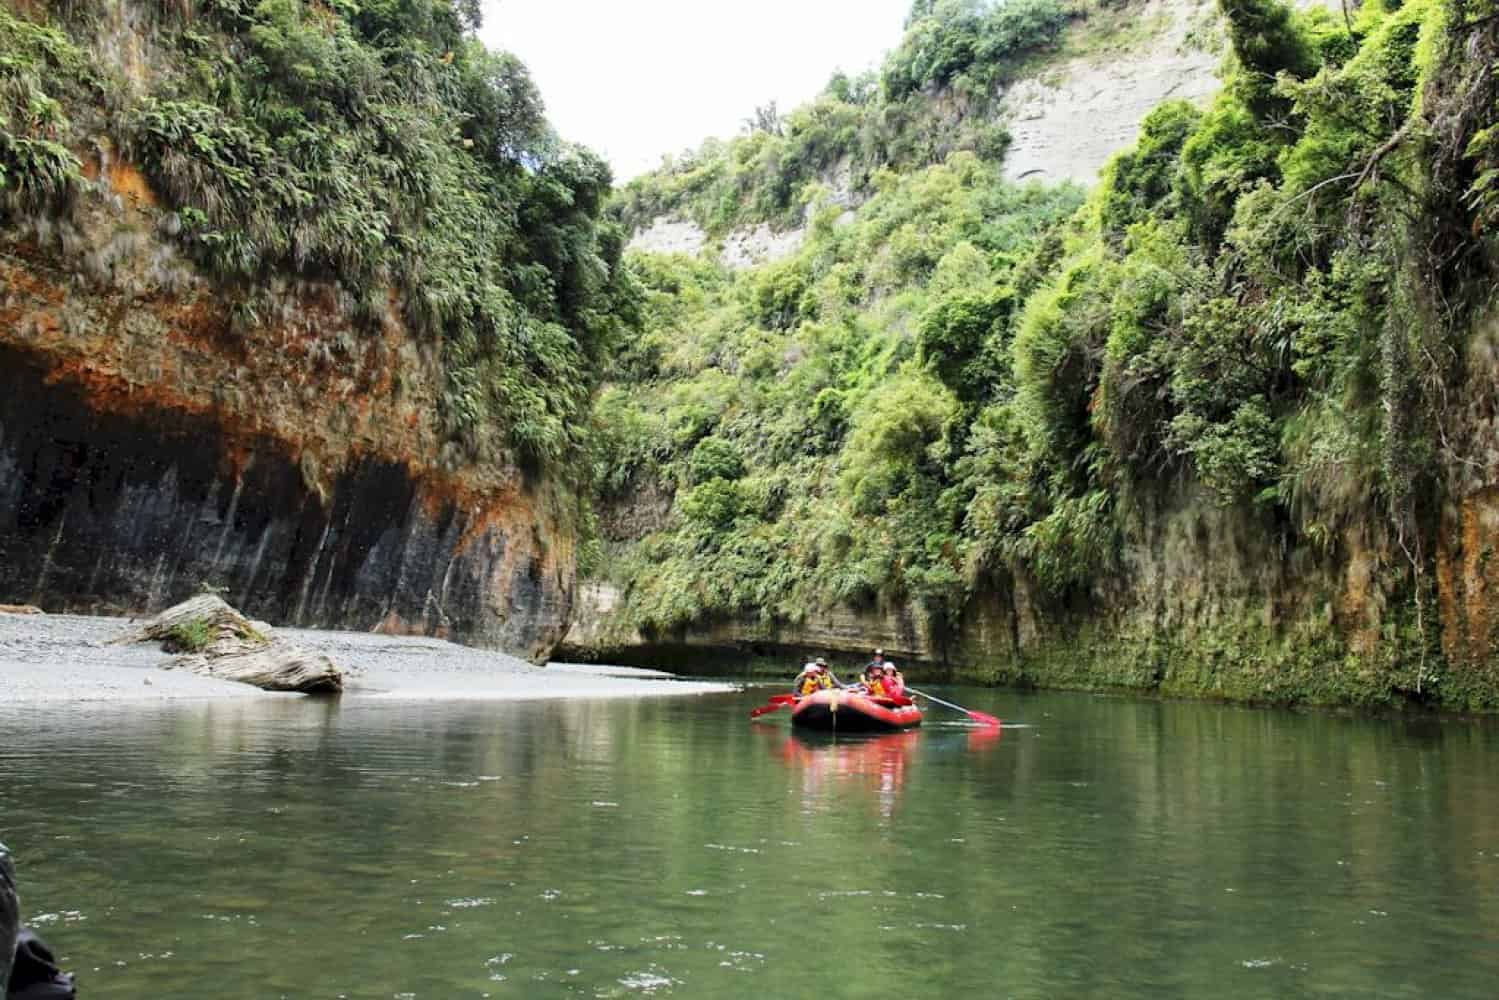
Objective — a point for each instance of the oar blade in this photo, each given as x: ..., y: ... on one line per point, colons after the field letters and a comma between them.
x: 984, y: 719
x: 767, y: 709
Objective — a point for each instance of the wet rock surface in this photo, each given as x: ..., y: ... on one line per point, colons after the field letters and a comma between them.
x: 148, y: 449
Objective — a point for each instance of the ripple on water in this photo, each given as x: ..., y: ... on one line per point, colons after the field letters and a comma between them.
x: 650, y: 981
x: 63, y: 916
x: 743, y: 961
x: 728, y: 847
x: 469, y: 903
x: 493, y: 964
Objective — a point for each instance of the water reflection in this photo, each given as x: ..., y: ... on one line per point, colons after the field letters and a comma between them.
x: 833, y: 766
x: 1115, y: 847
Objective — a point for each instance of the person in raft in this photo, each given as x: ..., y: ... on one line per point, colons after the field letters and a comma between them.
x: 814, y: 677
x: 874, y: 681
x: 878, y: 661
x: 894, y: 682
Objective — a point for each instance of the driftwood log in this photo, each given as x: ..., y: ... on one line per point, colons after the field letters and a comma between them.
x: 274, y: 666
x: 237, y: 649
x: 205, y: 610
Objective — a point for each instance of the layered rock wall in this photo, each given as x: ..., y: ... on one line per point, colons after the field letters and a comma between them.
x: 158, y: 436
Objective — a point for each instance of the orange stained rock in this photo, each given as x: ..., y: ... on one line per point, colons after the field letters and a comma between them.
x: 128, y: 182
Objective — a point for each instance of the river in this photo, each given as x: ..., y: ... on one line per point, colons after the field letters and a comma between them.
x: 1102, y: 847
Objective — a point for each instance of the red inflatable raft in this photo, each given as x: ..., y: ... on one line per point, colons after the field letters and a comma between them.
x: 847, y: 712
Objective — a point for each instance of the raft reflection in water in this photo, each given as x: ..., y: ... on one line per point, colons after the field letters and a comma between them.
x: 833, y: 766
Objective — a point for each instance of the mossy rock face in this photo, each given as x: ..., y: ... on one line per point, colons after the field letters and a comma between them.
x: 382, y: 149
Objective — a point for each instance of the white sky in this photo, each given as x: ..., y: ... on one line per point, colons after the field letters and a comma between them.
x: 635, y: 79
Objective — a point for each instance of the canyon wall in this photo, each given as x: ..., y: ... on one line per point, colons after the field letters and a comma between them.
x: 1348, y: 577
x: 1066, y: 113
x: 158, y: 437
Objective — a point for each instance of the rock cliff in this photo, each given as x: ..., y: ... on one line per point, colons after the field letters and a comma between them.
x: 154, y: 440
x: 1066, y: 113
x: 1353, y: 563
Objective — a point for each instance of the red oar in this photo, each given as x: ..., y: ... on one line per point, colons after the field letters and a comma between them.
x: 979, y: 717
x: 777, y: 702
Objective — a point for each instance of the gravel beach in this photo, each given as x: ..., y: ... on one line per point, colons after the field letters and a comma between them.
x: 63, y: 658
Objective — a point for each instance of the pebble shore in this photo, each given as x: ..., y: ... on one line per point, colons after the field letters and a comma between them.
x: 64, y: 658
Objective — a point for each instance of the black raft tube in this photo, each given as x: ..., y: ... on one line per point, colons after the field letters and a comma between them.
x: 10, y: 917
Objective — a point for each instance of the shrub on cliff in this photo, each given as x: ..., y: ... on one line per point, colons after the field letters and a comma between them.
x: 1262, y: 305
x: 932, y: 97
x: 946, y: 39
x: 41, y: 69
x: 377, y: 146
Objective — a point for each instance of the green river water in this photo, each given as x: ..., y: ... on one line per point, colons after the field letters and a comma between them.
x: 1109, y: 847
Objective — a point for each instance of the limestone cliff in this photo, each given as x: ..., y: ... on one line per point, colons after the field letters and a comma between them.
x: 1066, y: 112
x: 274, y: 429
x: 151, y: 442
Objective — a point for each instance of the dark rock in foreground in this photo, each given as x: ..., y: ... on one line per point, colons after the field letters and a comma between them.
x: 10, y: 916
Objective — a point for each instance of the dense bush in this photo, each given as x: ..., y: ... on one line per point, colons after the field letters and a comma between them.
x: 949, y: 39
x: 40, y: 70
x: 810, y: 415
x: 378, y: 146
x: 972, y: 379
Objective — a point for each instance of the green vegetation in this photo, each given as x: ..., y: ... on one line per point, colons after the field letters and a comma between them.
x: 191, y: 637
x: 40, y: 69
x: 931, y: 98
x: 1260, y: 307
x: 375, y: 145
x: 811, y: 415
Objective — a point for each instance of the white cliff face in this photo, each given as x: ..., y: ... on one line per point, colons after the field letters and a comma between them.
x: 754, y: 245
x: 760, y: 245
x: 670, y: 236
x: 1067, y: 121
x: 742, y: 248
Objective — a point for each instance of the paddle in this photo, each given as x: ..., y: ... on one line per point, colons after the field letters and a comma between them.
x: 777, y: 702
x: 980, y: 717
